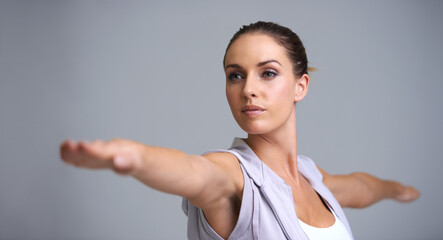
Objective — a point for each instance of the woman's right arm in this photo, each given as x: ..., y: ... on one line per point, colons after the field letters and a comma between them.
x: 199, y: 179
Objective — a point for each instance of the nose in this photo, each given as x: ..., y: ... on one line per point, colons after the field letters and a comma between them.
x: 250, y: 88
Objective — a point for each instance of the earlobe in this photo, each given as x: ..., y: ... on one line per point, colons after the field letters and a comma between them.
x: 301, y: 87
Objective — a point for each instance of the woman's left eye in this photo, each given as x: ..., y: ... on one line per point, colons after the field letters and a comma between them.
x: 269, y: 74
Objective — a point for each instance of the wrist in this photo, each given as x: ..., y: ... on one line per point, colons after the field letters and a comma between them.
x: 140, y: 153
x: 129, y: 160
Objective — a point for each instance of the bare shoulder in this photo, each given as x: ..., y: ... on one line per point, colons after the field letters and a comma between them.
x: 220, y: 178
x: 229, y: 164
x: 224, y: 160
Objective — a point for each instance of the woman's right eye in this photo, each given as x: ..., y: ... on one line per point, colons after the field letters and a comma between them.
x: 235, y: 76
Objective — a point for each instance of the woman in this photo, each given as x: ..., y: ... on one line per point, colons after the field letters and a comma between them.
x: 259, y: 188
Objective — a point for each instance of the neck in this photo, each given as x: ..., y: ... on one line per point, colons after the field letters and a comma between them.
x: 278, y: 149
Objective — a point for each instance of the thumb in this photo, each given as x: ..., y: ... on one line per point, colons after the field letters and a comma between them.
x: 123, y: 165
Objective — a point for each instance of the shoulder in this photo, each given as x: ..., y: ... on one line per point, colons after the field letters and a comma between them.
x: 221, y: 179
x: 224, y: 157
x: 227, y: 162
x: 230, y: 165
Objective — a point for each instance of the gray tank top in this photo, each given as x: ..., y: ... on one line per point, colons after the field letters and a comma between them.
x: 267, y: 209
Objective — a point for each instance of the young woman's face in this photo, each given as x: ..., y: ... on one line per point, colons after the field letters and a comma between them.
x: 260, y: 83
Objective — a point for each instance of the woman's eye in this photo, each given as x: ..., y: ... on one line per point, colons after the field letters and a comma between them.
x: 269, y: 74
x: 234, y: 76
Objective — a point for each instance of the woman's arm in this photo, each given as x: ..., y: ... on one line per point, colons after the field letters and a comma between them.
x: 213, y: 182
x: 359, y: 190
x: 195, y: 177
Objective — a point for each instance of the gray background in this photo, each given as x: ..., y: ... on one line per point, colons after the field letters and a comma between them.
x: 152, y: 72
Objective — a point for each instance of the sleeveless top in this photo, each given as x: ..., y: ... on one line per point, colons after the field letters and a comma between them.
x: 267, y: 209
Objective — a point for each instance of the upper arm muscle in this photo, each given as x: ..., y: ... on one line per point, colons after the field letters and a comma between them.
x: 220, y: 179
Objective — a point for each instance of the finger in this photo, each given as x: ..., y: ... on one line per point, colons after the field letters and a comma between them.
x: 85, y: 154
x: 98, y: 150
x: 414, y: 193
x: 67, y: 150
x: 408, y: 194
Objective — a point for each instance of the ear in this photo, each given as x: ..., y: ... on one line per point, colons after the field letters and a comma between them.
x: 301, y: 87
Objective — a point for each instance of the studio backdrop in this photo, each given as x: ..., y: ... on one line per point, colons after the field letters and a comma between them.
x: 152, y: 72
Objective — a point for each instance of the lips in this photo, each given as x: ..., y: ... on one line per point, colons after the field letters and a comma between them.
x: 252, y: 110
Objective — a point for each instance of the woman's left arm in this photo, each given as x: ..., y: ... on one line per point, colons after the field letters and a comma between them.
x: 359, y: 189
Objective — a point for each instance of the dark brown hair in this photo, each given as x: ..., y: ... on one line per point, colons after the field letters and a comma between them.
x: 284, y: 37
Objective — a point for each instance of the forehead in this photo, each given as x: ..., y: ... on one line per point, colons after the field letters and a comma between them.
x: 253, y: 48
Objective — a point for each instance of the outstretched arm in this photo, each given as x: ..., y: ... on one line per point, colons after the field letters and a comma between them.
x: 192, y: 176
x: 213, y: 182
x: 359, y: 190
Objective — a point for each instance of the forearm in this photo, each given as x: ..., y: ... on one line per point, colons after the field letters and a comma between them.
x: 169, y: 170
x: 370, y: 190
x: 359, y: 190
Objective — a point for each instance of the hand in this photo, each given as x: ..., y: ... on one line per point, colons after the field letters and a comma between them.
x: 123, y: 156
x: 407, y: 194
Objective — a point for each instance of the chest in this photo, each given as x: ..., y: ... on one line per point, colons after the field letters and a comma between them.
x: 310, y: 206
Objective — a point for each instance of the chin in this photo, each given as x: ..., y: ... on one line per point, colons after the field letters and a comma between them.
x: 254, y: 129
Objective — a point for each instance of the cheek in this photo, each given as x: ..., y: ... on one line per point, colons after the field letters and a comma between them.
x: 283, y: 94
x: 230, y: 96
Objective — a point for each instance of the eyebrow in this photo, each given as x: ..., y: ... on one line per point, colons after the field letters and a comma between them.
x: 267, y: 61
x: 258, y: 65
x: 232, y: 66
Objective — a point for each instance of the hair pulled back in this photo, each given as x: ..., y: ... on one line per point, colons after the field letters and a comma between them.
x: 285, y: 37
